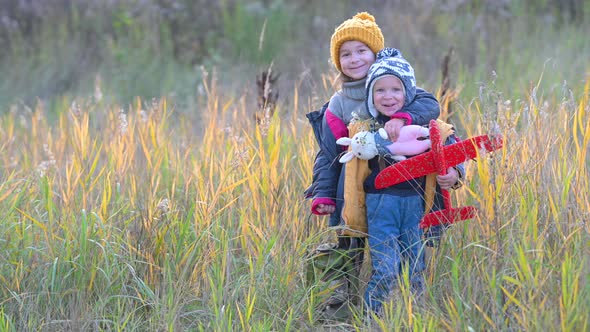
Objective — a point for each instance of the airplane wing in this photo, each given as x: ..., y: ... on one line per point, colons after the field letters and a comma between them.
x: 424, y: 164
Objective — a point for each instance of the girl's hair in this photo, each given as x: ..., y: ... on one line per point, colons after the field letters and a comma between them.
x: 342, y: 78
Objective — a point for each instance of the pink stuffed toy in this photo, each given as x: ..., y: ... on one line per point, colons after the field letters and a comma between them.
x: 366, y: 145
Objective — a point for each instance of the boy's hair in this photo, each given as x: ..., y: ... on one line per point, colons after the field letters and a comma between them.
x: 390, y: 62
x: 361, y: 27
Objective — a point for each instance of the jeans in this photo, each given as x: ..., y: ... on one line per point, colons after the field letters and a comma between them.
x: 394, y: 239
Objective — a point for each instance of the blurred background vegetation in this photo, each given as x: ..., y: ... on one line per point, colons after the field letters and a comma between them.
x: 56, y: 49
x: 137, y: 194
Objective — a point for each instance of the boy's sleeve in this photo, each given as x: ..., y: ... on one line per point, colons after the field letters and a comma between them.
x: 424, y: 108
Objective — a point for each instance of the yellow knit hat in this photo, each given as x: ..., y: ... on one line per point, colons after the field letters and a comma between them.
x: 361, y: 27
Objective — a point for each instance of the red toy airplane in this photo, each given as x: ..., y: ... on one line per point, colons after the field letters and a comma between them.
x: 438, y: 159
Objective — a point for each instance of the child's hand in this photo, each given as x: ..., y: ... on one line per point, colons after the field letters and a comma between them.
x: 325, y: 209
x: 448, y: 180
x: 322, y: 205
x: 392, y: 127
x: 381, y: 144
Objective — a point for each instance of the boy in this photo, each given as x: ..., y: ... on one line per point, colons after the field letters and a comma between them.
x: 394, y: 213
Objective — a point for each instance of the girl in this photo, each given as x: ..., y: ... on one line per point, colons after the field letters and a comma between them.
x: 353, y: 49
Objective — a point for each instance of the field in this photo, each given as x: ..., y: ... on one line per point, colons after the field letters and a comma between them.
x: 162, y: 210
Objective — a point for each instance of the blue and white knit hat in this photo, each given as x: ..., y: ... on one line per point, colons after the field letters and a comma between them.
x: 390, y: 62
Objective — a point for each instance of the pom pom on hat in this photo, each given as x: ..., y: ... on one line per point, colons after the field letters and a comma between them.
x: 361, y: 27
x: 390, y: 62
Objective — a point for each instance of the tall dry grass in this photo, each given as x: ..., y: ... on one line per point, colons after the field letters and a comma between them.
x: 138, y: 218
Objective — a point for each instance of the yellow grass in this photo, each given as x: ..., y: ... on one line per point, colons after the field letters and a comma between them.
x: 142, y: 216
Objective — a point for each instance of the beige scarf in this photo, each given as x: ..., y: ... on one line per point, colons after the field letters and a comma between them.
x: 354, y: 212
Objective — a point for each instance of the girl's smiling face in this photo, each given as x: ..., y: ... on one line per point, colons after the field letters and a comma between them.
x: 388, y: 95
x: 355, y: 59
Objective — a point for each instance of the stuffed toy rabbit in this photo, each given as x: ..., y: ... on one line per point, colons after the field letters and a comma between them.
x: 366, y: 145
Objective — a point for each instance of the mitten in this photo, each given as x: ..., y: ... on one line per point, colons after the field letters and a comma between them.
x: 382, y: 142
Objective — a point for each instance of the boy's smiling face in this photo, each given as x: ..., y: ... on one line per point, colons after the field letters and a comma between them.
x: 388, y: 95
x: 355, y: 59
